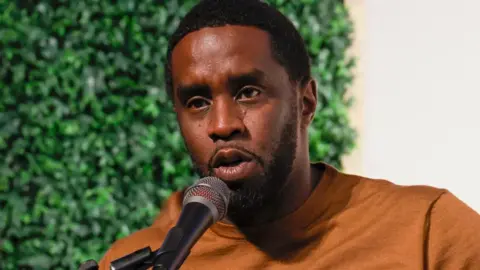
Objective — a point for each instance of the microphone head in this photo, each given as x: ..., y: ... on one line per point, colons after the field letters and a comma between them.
x: 212, y: 192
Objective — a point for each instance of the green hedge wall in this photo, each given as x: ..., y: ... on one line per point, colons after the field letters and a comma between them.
x: 89, y: 146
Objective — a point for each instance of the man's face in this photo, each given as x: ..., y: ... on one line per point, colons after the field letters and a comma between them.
x: 237, y: 110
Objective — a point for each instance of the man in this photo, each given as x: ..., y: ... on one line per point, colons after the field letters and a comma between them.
x: 239, y: 77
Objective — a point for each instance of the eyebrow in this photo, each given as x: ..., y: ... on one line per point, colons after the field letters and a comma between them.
x: 186, y: 91
x: 253, y: 77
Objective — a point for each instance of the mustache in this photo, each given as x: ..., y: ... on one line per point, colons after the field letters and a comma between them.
x: 234, y: 146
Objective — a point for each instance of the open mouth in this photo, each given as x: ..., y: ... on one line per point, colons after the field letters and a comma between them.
x: 230, y: 158
x: 233, y: 164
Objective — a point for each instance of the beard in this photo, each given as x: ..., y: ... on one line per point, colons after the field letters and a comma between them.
x: 260, y: 192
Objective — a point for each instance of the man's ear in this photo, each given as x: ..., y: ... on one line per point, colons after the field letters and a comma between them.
x: 308, y: 101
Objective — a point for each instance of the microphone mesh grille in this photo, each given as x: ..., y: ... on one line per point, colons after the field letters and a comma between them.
x: 212, y: 189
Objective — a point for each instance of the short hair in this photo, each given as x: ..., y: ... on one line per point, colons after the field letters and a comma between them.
x: 287, y: 45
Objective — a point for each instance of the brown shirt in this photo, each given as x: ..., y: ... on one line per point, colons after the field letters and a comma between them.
x: 349, y: 222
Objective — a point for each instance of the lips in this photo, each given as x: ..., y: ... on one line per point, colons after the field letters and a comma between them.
x: 233, y: 164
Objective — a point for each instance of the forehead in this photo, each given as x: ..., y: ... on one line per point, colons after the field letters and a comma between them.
x: 212, y: 54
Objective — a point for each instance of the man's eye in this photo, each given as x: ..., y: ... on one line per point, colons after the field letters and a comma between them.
x: 248, y: 92
x: 197, y: 103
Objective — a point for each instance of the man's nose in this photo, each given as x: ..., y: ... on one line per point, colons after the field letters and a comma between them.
x: 226, y: 120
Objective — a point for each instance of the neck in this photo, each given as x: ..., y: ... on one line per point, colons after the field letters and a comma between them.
x: 297, y: 188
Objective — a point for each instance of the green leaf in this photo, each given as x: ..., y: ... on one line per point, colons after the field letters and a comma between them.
x: 7, y: 246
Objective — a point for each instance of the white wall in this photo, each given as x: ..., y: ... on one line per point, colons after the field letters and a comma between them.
x: 419, y: 94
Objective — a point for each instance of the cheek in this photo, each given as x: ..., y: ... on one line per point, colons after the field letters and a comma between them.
x: 197, y: 141
x: 266, y: 127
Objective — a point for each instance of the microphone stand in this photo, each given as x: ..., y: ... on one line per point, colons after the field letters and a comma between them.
x: 142, y: 259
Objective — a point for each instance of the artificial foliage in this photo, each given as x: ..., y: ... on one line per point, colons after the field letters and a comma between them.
x: 89, y: 145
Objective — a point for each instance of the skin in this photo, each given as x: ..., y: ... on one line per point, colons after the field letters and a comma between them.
x: 230, y: 92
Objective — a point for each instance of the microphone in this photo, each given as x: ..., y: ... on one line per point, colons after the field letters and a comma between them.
x: 204, y: 203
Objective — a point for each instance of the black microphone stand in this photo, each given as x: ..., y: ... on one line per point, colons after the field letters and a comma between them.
x: 142, y: 259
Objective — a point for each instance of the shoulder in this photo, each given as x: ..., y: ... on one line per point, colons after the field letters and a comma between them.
x: 451, y: 217
x: 358, y: 194
x: 438, y: 205
x: 382, y: 191
x: 151, y: 236
x: 453, y: 240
